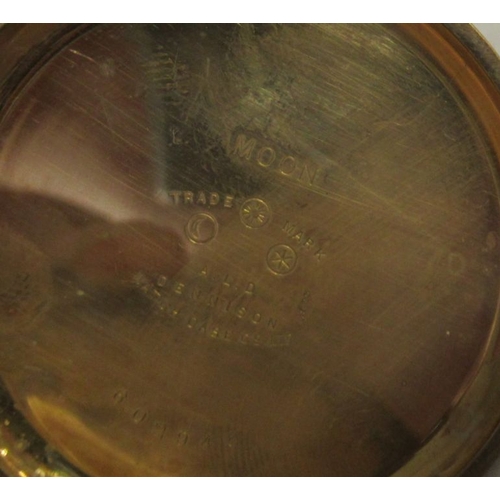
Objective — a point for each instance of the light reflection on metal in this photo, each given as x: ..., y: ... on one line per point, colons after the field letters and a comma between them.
x: 248, y: 250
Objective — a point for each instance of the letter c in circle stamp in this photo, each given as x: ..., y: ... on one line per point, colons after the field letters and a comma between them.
x: 202, y: 228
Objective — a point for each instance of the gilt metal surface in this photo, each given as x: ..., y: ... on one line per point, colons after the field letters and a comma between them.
x: 247, y: 250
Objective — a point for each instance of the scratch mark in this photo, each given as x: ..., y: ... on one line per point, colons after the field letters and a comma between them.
x: 82, y: 55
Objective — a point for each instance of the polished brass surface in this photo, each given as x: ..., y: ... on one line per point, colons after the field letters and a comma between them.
x: 248, y: 250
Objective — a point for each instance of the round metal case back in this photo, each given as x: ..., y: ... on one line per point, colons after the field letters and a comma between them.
x: 247, y: 250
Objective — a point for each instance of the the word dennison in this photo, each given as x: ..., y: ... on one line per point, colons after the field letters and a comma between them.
x: 223, y: 310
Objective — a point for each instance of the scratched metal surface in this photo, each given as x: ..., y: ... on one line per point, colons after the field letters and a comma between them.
x: 491, y: 33
x: 247, y: 250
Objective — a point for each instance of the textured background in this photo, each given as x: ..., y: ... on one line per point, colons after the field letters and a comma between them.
x: 491, y: 31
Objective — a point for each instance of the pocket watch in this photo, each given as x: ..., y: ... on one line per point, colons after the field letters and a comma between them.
x: 248, y: 250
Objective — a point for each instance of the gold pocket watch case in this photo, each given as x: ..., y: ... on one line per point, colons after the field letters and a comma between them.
x: 248, y: 250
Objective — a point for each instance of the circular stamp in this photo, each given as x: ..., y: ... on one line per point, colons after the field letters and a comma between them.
x: 202, y: 228
x: 281, y: 259
x: 255, y: 213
